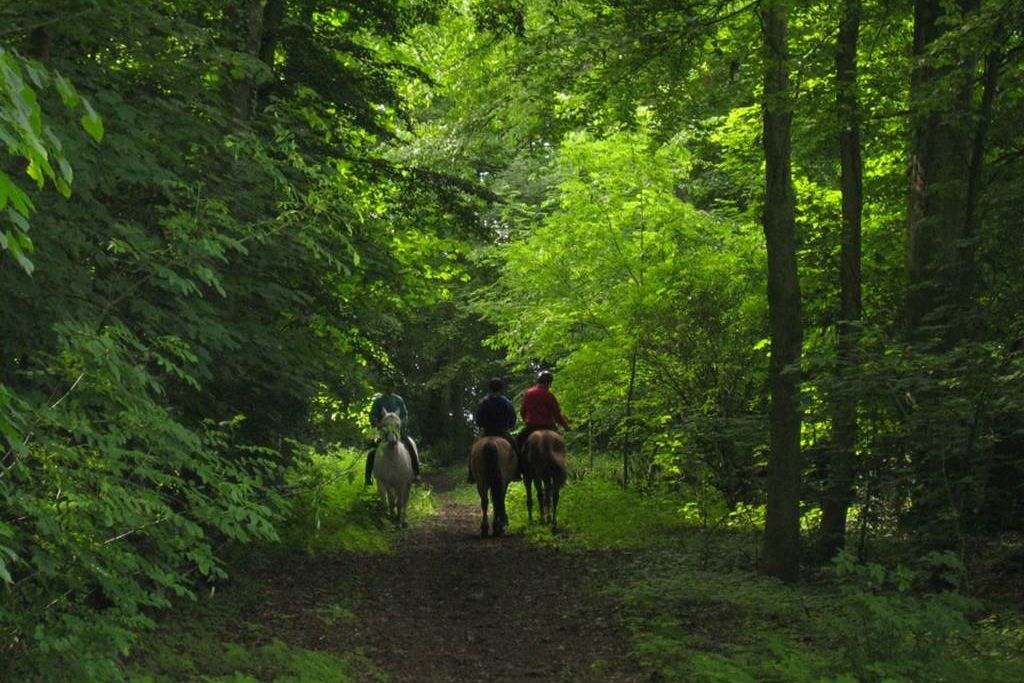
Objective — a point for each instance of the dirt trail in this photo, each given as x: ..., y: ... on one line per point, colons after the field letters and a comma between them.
x: 449, y: 606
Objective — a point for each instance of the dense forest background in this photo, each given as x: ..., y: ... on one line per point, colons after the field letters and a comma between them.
x: 772, y: 250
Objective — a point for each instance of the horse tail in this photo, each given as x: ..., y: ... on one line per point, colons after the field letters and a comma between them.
x: 561, y: 471
x: 492, y: 470
x: 556, y: 453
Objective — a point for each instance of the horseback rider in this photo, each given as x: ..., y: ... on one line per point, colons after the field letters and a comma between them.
x: 539, y: 409
x: 391, y: 402
x: 495, y: 415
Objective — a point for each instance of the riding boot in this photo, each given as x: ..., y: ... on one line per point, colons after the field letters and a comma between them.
x: 368, y: 478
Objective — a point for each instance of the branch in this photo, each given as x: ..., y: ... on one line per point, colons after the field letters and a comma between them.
x: 28, y: 28
x: 730, y: 15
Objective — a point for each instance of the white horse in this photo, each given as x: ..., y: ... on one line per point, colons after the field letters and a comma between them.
x: 392, y: 468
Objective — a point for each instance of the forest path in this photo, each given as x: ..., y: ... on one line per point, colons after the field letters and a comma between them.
x: 446, y: 605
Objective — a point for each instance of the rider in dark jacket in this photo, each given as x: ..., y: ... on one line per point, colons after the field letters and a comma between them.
x: 496, y: 416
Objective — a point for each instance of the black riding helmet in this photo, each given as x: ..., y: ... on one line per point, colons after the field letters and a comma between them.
x: 545, y: 378
x: 496, y: 385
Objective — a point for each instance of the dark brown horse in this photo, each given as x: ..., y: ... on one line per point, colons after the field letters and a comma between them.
x: 545, y: 467
x: 493, y: 464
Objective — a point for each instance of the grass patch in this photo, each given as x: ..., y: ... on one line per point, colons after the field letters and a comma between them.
x: 692, y: 619
x: 335, y: 512
x: 693, y: 625
x: 275, y: 662
x: 594, y: 513
x: 231, y: 639
x: 225, y: 640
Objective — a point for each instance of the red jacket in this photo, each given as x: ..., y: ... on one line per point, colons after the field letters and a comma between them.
x: 540, y: 407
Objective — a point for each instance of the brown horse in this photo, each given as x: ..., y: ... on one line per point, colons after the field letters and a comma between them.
x: 493, y: 464
x: 545, y: 467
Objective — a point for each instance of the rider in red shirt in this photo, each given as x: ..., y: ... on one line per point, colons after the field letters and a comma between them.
x: 539, y: 409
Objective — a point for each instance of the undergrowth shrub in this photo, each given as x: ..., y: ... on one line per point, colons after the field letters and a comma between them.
x: 228, y: 639
x: 105, y: 520
x: 698, y: 614
x: 593, y: 511
x: 275, y: 662
x: 889, y: 627
x: 333, y: 511
x: 874, y: 626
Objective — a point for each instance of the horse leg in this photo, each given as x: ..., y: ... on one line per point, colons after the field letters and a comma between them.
x: 504, y: 509
x: 483, y: 509
x: 393, y: 508
x: 528, y: 484
x: 383, y: 497
x: 548, y: 489
x: 554, y: 506
x: 500, y: 520
x: 403, y: 506
x: 540, y: 498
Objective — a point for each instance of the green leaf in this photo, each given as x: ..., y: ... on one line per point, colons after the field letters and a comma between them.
x: 92, y: 122
x: 67, y: 92
x: 18, y: 219
x: 14, y: 246
x: 36, y: 73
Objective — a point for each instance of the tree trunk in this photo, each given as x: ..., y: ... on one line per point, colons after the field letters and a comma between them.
x: 41, y: 43
x: 972, y: 217
x: 842, y: 464
x: 939, y: 163
x: 629, y: 414
x: 273, y: 16
x: 247, y: 19
x: 782, y: 517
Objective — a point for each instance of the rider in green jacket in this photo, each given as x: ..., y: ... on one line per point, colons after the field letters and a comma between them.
x: 391, y: 402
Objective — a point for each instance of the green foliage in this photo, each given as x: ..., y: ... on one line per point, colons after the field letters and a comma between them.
x: 700, y: 626
x: 234, y: 663
x: 224, y: 637
x: 334, y: 512
x: 692, y: 620
x: 219, y: 277
x: 885, y: 632
x: 372, y: 189
x: 631, y: 290
x: 25, y: 135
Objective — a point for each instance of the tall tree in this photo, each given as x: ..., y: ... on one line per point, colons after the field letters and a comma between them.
x: 939, y: 167
x: 838, y: 492
x: 782, y: 517
x: 246, y: 22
